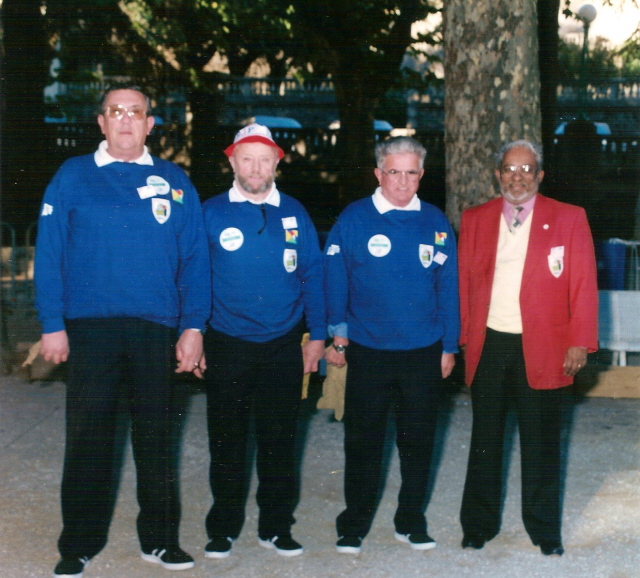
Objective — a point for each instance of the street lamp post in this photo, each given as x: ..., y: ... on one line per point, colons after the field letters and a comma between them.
x: 587, y: 14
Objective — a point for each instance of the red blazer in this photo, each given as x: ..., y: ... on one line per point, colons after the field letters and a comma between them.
x: 558, y: 311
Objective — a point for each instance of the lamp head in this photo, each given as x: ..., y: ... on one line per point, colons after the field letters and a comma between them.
x: 587, y: 13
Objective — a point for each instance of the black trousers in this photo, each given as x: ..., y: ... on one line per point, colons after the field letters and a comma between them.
x: 100, y: 352
x: 501, y: 381
x: 265, y: 377
x: 407, y: 383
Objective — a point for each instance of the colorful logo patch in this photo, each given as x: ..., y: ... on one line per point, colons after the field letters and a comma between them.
x: 161, y: 209
x: 177, y: 195
x: 290, y: 260
x: 441, y: 238
x: 291, y: 236
x: 426, y: 255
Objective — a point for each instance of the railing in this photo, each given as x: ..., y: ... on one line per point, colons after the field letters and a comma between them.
x: 623, y: 90
x: 16, y: 267
x: 72, y: 139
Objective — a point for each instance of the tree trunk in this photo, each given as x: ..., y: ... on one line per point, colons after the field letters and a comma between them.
x: 356, y: 142
x: 492, y: 92
x: 548, y: 60
x: 24, y: 175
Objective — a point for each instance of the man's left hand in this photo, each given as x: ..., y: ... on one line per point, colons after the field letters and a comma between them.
x: 574, y: 360
x: 312, y: 353
x: 189, y: 353
x: 448, y: 362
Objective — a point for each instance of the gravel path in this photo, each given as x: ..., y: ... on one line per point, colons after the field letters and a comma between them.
x: 601, y: 506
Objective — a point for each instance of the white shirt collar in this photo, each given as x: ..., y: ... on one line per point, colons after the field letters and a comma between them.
x: 273, y: 198
x: 384, y: 206
x: 102, y: 157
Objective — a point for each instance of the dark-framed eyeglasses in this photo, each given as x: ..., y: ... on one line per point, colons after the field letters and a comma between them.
x: 397, y: 175
x: 117, y: 111
x: 513, y: 169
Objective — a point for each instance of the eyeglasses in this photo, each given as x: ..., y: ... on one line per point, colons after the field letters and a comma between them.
x: 513, y: 169
x: 117, y: 111
x: 397, y: 175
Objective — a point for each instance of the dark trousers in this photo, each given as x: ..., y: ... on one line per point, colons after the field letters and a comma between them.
x: 100, y: 352
x: 406, y: 382
x: 501, y: 381
x: 267, y: 377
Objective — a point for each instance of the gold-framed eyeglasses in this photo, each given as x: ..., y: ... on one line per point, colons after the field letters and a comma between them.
x: 513, y: 169
x: 397, y: 175
x: 117, y: 111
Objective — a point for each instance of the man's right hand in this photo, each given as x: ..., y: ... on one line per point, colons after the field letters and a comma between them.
x: 333, y: 357
x: 55, y: 346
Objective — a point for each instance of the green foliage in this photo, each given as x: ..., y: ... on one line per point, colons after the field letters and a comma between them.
x: 175, y: 39
x: 629, y: 55
x: 602, y: 62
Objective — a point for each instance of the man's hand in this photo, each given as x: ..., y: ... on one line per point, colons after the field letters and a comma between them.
x: 448, y: 362
x: 335, y: 358
x: 574, y: 360
x: 312, y: 352
x: 189, y: 353
x: 55, y: 346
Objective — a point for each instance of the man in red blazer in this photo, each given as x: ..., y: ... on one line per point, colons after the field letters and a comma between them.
x: 529, y: 308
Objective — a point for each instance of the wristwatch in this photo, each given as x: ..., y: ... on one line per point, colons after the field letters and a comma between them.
x: 340, y: 348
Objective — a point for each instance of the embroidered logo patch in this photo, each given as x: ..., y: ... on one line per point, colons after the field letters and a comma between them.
x: 426, y: 255
x: 291, y: 236
x: 556, y: 265
x: 441, y: 238
x: 556, y: 261
x: 290, y: 260
x: 161, y: 209
x: 177, y: 195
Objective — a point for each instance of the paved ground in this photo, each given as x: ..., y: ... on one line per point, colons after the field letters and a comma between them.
x: 601, y: 507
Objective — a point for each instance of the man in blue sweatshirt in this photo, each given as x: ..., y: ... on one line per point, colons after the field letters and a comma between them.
x: 392, y: 307
x: 267, y: 285
x: 121, y: 273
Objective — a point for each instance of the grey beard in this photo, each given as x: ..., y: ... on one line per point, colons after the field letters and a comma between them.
x: 263, y: 188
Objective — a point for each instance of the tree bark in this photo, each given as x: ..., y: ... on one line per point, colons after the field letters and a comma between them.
x: 25, y: 74
x: 548, y: 61
x: 355, y: 149
x: 492, y: 92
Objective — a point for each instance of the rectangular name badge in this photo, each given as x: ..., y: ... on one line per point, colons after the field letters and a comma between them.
x: 146, y: 192
x: 289, y: 223
x: 440, y: 258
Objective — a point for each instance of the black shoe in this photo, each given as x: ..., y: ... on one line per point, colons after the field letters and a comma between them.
x: 283, y: 545
x: 172, y: 559
x: 218, y: 547
x: 349, y: 545
x: 71, y: 567
x: 417, y: 541
x: 475, y: 542
x: 551, y: 548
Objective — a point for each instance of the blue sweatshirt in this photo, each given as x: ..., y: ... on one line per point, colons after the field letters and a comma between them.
x: 393, y: 277
x: 267, y: 268
x: 122, y: 240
